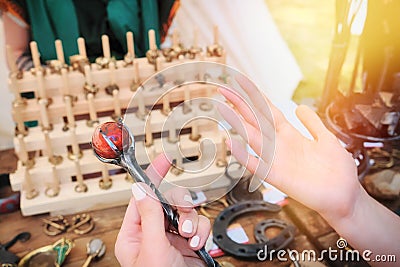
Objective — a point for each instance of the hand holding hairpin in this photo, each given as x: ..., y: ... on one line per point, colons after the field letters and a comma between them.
x: 113, y: 143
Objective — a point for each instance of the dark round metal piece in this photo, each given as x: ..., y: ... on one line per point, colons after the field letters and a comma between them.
x: 227, y: 216
x: 288, y: 231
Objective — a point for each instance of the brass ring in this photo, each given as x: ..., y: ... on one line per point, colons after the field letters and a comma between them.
x: 73, y: 156
x: 105, y: 184
x: 81, y: 188
x: 51, y: 192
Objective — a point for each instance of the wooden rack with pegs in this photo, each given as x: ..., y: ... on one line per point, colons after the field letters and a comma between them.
x: 64, y: 176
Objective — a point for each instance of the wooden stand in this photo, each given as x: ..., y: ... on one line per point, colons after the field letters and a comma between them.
x: 68, y: 103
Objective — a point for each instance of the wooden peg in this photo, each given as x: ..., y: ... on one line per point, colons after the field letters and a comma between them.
x: 148, y: 132
x: 141, y: 112
x: 12, y: 62
x: 35, y: 55
x: 106, y: 46
x: 53, y: 189
x: 76, y: 151
x: 80, y: 187
x: 177, y: 168
x: 172, y: 136
x: 23, y: 153
x: 130, y: 44
x: 40, y: 84
x: 45, y: 121
x: 194, y: 135
x: 216, y: 34
x: 65, y: 82
x: 82, y: 47
x: 88, y: 75
x: 92, y: 111
x: 105, y: 182
x: 166, y: 109
x: 223, y: 57
x: 112, y: 73
x: 136, y: 78
x: 222, y: 153
x: 53, y: 159
x: 89, y: 86
x: 152, y: 54
x: 20, y: 128
x: 117, y: 105
x: 60, y: 51
x: 158, y: 65
x: 194, y: 49
x: 215, y: 49
x: 70, y: 114
x: 206, y: 104
x: 152, y: 40
x: 186, y: 100
x: 28, y: 186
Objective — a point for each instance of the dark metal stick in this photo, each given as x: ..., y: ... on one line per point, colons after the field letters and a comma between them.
x: 126, y: 159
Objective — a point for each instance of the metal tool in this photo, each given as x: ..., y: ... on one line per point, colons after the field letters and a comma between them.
x: 125, y: 158
x: 95, y: 250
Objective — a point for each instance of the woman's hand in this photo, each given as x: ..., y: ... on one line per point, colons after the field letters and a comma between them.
x: 142, y: 240
x: 320, y: 173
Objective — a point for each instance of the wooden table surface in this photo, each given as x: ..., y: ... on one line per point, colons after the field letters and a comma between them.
x: 312, y: 232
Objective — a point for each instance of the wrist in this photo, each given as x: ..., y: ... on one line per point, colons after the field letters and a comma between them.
x: 342, y: 216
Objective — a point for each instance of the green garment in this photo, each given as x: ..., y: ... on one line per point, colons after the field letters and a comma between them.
x: 69, y: 19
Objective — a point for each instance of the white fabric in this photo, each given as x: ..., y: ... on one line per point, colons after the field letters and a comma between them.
x: 248, y: 33
x: 6, y: 123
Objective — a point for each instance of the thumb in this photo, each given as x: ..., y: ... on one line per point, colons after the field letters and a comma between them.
x: 150, y: 212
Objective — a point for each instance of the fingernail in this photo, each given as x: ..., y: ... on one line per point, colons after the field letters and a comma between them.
x: 188, y: 199
x: 187, y: 226
x: 138, y: 192
x: 195, y: 241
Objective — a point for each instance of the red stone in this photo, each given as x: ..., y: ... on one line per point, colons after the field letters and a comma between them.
x: 114, y: 131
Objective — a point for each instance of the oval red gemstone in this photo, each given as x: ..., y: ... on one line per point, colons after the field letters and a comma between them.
x: 113, y: 131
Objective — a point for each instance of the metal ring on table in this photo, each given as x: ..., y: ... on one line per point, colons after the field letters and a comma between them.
x: 227, y: 216
x: 287, y: 233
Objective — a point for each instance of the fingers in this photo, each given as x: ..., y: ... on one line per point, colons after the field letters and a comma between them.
x: 240, y: 104
x: 263, y: 145
x: 253, y: 164
x: 260, y: 100
x: 150, y: 214
x: 180, y: 198
x: 251, y: 116
x: 143, y: 222
x: 312, y: 122
x: 188, y: 218
x: 201, y: 234
x: 158, y: 168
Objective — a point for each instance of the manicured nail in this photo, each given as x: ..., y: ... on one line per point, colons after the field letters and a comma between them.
x: 187, y: 226
x: 195, y: 241
x: 138, y: 192
x: 188, y: 199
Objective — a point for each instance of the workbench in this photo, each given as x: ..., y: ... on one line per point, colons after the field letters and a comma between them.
x: 312, y: 232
